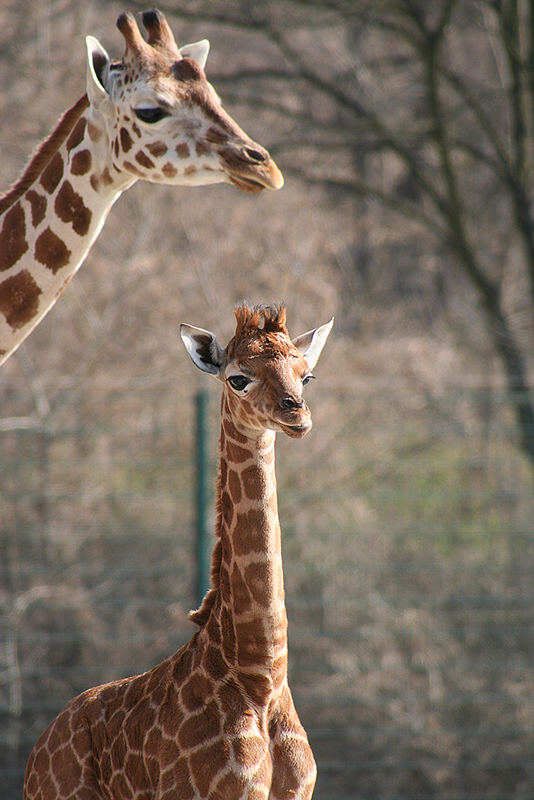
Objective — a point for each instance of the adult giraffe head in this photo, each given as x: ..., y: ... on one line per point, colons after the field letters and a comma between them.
x: 163, y: 119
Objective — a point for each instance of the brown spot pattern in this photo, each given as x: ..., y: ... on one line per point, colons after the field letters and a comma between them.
x: 19, y: 299
x: 51, y: 251
x: 169, y: 170
x: 157, y: 149
x: 70, y: 207
x: 202, y: 148
x: 66, y: 768
x: 252, y: 482
x: 230, y: 785
x: 248, y: 751
x: 200, y: 728
x: 234, y: 484
x: 227, y: 509
x: 182, y: 150
x: 251, y: 643
x: 257, y: 687
x: 43, y: 154
x: 52, y: 174
x: 77, y: 134
x: 95, y: 133
x: 240, y: 593
x: 255, y: 580
x: 142, y: 158
x: 13, y: 242
x: 207, y: 763
x: 250, y: 532
x: 236, y: 454
x: 81, y: 162
x: 133, y: 169
x: 193, y: 692
x: 38, y: 204
x: 126, y: 140
x: 215, y: 664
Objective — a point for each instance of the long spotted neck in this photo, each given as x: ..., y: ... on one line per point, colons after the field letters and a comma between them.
x: 247, y: 601
x: 51, y: 217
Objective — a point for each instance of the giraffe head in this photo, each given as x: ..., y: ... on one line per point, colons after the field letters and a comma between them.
x: 164, y: 121
x: 263, y: 371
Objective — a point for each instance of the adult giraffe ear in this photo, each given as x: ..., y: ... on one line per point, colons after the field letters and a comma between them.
x: 311, y: 343
x: 203, y: 348
x: 197, y: 50
x: 97, y: 72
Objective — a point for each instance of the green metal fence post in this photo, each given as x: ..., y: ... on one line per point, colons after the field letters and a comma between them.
x: 201, y: 497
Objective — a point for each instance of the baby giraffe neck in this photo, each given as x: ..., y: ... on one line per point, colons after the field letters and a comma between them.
x: 50, y: 218
x: 248, y: 608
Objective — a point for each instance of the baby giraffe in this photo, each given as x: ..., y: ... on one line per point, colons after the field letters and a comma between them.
x: 216, y: 720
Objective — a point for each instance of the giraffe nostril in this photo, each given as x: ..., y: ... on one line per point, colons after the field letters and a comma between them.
x: 291, y: 402
x: 255, y: 155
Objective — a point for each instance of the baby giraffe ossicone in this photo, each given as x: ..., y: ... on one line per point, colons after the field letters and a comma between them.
x: 216, y: 720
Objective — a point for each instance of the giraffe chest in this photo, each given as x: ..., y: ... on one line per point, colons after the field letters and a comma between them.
x: 200, y: 743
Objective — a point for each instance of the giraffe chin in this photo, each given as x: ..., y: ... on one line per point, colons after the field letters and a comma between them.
x: 296, y: 431
x: 269, y: 178
x: 248, y: 184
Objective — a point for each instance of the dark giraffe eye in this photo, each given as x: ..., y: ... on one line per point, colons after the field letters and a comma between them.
x: 238, y: 382
x: 150, y: 115
x: 307, y: 378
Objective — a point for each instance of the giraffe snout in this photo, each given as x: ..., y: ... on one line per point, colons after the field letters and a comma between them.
x: 250, y: 167
x: 291, y: 402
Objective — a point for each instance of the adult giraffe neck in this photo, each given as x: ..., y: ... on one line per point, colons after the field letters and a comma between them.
x: 50, y: 218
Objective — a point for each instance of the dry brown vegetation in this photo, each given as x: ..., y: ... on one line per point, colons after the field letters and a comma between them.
x: 408, y: 511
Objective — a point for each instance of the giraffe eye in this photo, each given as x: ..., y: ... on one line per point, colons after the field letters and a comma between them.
x: 307, y: 378
x: 238, y: 382
x: 150, y: 115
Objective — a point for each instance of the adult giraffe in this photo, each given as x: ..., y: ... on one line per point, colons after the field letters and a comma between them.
x: 151, y: 116
x: 216, y: 720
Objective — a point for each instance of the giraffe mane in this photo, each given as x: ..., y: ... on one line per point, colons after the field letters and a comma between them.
x: 44, y: 153
x: 201, y: 615
x: 271, y: 319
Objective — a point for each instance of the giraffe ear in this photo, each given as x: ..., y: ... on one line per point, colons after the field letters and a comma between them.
x: 204, y: 349
x: 97, y: 72
x: 197, y: 50
x: 311, y: 343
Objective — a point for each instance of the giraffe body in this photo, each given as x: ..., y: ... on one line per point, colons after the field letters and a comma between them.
x: 151, y: 116
x: 215, y: 721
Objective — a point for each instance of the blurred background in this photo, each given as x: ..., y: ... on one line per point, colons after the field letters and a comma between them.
x: 404, y: 131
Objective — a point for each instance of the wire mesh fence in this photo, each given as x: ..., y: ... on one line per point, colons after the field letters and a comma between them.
x: 409, y: 567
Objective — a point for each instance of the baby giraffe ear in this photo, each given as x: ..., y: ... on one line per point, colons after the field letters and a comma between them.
x: 204, y: 349
x: 312, y: 342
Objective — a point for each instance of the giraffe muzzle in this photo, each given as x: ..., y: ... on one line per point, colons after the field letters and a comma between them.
x: 297, y: 431
x: 251, y: 168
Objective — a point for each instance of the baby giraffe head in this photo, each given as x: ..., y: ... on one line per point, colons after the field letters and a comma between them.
x: 262, y: 370
x: 164, y: 121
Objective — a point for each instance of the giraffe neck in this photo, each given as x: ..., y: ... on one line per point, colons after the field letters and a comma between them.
x: 51, y: 217
x: 247, y: 602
